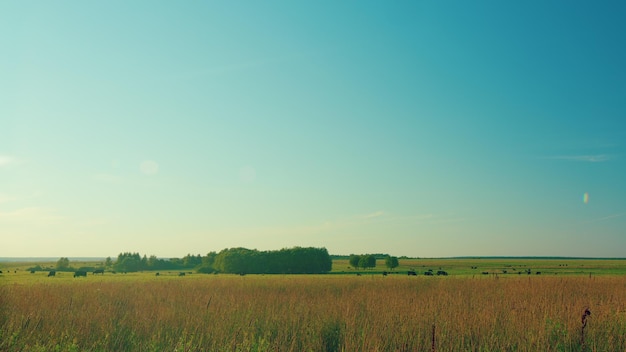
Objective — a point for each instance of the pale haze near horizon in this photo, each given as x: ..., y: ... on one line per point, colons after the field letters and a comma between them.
x: 409, y: 128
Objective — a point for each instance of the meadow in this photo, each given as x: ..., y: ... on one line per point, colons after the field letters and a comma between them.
x: 465, y: 311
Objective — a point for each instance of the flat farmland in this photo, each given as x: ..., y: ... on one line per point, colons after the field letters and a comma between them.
x: 464, y: 311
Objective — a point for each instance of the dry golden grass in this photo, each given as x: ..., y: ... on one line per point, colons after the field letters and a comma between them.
x: 314, y: 313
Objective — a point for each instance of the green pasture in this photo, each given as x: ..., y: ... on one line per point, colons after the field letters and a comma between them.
x: 512, y: 266
x: 17, y: 272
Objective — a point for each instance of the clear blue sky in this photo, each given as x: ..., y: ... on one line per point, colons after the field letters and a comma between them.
x: 416, y: 128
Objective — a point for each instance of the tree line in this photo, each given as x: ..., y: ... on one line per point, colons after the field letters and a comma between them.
x: 297, y: 260
x: 365, y: 261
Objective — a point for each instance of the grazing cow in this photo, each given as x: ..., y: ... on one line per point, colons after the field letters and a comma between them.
x: 441, y: 272
x: 358, y: 274
x: 98, y: 271
x: 80, y: 273
x: 539, y: 273
x: 384, y: 273
x: 485, y: 273
x: 157, y: 274
x: 0, y: 271
x: 411, y: 273
x: 428, y: 273
x: 32, y: 271
x: 52, y: 273
x: 181, y: 274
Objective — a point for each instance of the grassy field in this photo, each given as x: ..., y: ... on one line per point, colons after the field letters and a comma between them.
x: 465, y: 311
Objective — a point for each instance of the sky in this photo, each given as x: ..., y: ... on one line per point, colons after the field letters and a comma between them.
x: 417, y: 128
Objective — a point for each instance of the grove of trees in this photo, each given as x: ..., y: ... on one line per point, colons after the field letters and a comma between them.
x: 362, y: 261
x: 365, y: 261
x: 295, y: 260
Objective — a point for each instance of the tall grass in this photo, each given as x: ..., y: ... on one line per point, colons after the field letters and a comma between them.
x: 314, y: 313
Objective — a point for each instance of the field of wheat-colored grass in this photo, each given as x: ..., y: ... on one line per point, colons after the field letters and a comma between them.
x: 313, y: 313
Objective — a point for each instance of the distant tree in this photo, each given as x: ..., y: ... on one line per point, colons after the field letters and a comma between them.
x: 354, y: 260
x: 190, y: 261
x: 108, y: 262
x: 391, y: 262
x: 63, y: 264
x: 367, y: 261
x: 371, y: 261
x: 128, y: 262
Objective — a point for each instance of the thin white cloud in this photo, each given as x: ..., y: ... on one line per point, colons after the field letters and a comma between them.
x: 374, y: 215
x: 6, y: 160
x: 595, y: 158
x: 30, y: 214
x: 605, y: 218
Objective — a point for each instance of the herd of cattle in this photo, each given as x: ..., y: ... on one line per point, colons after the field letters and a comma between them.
x: 79, y: 273
x: 412, y: 272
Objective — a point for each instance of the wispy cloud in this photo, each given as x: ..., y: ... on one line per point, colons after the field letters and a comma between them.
x: 374, y: 215
x: 605, y: 218
x: 590, y: 158
x: 6, y: 160
x: 29, y: 214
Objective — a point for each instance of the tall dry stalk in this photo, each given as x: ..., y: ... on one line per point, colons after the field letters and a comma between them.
x: 586, y: 313
x: 432, y: 346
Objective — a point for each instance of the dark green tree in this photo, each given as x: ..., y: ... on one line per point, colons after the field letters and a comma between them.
x: 354, y: 260
x: 391, y: 262
x: 367, y: 261
x: 63, y: 264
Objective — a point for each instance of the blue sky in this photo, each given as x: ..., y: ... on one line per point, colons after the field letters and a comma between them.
x: 410, y: 128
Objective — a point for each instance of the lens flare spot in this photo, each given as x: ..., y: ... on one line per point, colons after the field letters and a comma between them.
x: 149, y: 167
x: 586, y: 198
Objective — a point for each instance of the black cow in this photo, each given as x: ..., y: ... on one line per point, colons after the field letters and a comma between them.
x: 80, y: 273
x: 32, y: 271
x: 411, y: 273
x: 0, y: 271
x: 428, y: 273
x: 181, y: 274
x: 52, y: 273
x: 384, y: 273
x: 98, y: 271
x: 157, y: 274
x: 442, y: 273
